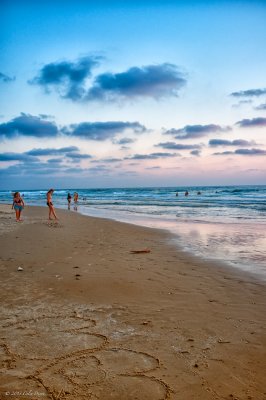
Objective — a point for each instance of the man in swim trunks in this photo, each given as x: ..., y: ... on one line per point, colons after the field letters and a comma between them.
x: 18, y: 205
x: 50, y: 204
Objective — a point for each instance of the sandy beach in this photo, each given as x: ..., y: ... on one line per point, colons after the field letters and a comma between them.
x: 82, y: 317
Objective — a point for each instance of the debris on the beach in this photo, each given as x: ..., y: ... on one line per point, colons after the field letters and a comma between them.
x: 20, y: 269
x: 140, y: 251
x: 223, y: 341
x: 146, y: 323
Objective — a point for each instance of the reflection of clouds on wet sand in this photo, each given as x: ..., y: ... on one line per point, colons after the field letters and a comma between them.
x: 240, y: 244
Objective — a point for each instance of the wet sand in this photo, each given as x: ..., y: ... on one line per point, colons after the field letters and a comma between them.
x: 84, y: 318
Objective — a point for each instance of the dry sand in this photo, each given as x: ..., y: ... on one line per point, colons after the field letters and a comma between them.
x: 86, y: 319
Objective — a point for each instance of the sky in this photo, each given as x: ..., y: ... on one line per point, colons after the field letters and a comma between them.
x: 129, y: 94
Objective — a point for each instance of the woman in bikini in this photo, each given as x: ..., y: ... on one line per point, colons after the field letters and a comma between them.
x: 76, y: 197
x: 18, y: 205
x: 50, y: 204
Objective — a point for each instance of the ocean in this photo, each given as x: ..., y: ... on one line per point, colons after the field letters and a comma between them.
x: 225, y: 223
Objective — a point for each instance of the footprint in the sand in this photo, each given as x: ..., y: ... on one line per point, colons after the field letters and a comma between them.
x: 66, y: 359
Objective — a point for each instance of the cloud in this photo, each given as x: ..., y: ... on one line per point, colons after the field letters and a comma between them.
x: 261, y: 107
x: 249, y: 93
x: 6, y: 79
x: 195, y: 131
x: 70, y: 79
x: 49, y: 168
x: 244, y: 152
x: 128, y: 173
x: 154, y: 81
x: 78, y: 156
x: 46, y: 116
x: 124, y: 141
x: 75, y: 170
x: 195, y: 153
x: 152, y: 156
x: 99, y: 169
x: 102, y: 130
x: 55, y: 161
x: 250, y: 123
x: 110, y: 160
x: 242, y: 103
x: 251, y: 152
x: 28, y: 125
x: 178, y: 146
x: 150, y: 168
x: 237, y: 142
x: 52, y: 152
x: 26, y: 168
x: 223, y: 153
x: 66, y: 77
x: 9, y: 156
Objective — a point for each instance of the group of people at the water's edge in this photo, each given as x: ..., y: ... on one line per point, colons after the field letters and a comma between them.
x: 18, y: 204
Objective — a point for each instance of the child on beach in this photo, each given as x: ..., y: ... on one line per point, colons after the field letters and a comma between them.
x: 18, y: 205
x: 50, y: 204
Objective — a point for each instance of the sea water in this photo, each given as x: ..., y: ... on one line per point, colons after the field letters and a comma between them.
x: 226, y: 223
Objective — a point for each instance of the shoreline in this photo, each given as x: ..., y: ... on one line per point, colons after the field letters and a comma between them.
x: 171, y: 238
x: 229, y: 224
x: 161, y: 325
x: 256, y: 270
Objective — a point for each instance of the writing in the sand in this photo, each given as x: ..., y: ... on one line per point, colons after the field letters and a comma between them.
x: 25, y: 393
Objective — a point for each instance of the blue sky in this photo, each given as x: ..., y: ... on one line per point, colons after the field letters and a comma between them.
x: 121, y: 93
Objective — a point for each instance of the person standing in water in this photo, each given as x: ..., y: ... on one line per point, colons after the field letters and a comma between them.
x: 50, y: 204
x: 76, y: 197
x: 18, y: 205
x: 69, y: 200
